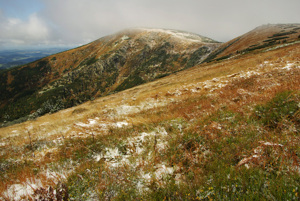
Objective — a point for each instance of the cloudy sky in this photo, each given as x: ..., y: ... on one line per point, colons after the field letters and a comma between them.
x: 25, y: 23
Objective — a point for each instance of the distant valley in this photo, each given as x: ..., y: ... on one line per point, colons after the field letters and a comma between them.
x: 15, y: 57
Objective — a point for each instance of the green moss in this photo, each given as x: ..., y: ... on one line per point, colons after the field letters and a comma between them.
x: 284, y: 106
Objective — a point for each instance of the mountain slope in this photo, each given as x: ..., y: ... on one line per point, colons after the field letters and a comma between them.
x: 107, y: 65
x: 118, y: 62
x: 262, y: 37
x: 219, y: 131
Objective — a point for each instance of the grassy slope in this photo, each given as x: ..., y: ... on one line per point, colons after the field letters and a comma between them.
x: 221, y: 131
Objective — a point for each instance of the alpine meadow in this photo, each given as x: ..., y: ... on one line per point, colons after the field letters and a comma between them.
x: 155, y: 114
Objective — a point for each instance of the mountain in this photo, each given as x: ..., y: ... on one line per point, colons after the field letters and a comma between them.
x: 221, y: 130
x: 108, y: 65
x: 262, y: 37
x: 118, y: 62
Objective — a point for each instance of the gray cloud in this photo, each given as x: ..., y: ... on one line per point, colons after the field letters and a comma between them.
x: 81, y: 21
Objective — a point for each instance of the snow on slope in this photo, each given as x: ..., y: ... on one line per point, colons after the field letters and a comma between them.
x: 181, y: 35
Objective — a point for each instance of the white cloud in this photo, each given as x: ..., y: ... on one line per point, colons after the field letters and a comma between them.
x: 35, y: 28
x: 220, y: 20
x: 28, y: 32
x: 81, y: 21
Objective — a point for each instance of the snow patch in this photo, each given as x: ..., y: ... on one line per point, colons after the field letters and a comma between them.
x: 127, y: 109
x: 125, y: 37
x: 137, y: 142
x: 55, y: 176
x: 288, y: 66
x: 25, y: 190
x: 58, y: 141
x: 134, y: 147
x: 30, y: 127
x: 14, y: 133
x: 180, y: 35
x: 19, y: 191
x: 103, y: 124
x: 2, y: 144
x: 91, y: 123
x: 270, y: 144
x: 280, y: 46
x: 163, y: 171
x: 112, y: 157
x: 132, y: 109
x: 258, y: 154
x: 111, y: 153
x: 121, y: 124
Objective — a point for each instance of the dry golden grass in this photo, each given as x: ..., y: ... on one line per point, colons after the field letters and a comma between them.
x: 157, y: 89
x: 237, y: 84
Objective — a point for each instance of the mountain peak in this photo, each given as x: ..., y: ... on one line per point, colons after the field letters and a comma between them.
x: 171, y: 33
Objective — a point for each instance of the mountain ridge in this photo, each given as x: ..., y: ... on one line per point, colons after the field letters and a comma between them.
x: 120, y: 61
x: 107, y: 65
x: 261, y: 37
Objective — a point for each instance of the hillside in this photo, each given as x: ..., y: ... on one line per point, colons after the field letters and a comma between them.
x: 223, y: 130
x: 118, y: 62
x: 262, y: 37
x: 105, y: 66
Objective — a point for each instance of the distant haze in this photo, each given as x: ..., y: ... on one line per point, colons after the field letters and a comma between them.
x: 34, y: 23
